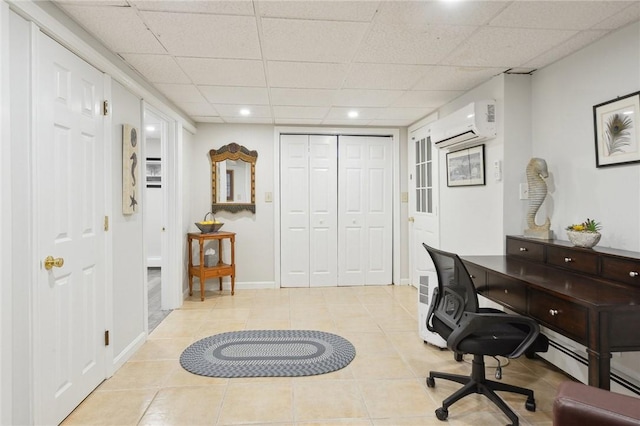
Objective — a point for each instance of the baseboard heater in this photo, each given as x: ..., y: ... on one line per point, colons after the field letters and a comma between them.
x: 615, y: 377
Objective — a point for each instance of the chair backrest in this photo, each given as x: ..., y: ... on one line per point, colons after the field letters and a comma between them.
x: 456, y: 292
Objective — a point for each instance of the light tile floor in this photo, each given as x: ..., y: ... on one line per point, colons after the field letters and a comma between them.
x: 383, y: 385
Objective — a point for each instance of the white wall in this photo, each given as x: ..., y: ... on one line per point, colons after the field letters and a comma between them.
x: 563, y: 96
x: 127, y: 236
x: 254, y: 233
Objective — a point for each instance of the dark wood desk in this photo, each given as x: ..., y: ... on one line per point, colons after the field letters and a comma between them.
x: 589, y: 295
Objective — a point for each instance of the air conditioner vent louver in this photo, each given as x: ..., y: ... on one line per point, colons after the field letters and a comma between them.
x: 473, y: 123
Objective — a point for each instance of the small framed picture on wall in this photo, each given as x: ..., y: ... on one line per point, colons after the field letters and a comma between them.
x: 466, y: 167
x: 617, y: 131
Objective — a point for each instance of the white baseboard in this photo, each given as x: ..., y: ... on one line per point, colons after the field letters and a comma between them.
x: 127, y: 352
x: 405, y: 281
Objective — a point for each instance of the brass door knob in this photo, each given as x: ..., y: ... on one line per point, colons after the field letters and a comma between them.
x: 50, y: 262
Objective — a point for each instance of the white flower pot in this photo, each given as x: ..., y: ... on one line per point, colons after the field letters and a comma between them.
x: 583, y: 239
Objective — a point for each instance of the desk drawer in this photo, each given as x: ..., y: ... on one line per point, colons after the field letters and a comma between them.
x: 625, y: 271
x: 575, y: 260
x: 525, y: 249
x: 512, y: 293
x: 478, y: 276
x: 567, y: 317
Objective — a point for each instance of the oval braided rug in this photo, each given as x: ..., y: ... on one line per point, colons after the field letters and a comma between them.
x: 268, y: 353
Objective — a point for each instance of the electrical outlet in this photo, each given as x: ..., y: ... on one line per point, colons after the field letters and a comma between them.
x: 268, y: 197
x: 524, y: 191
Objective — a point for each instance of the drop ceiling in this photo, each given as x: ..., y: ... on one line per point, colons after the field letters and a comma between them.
x: 314, y: 62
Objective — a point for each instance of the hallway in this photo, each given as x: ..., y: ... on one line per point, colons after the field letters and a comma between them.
x: 384, y: 385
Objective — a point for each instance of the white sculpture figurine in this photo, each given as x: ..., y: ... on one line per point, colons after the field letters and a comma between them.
x: 536, y: 171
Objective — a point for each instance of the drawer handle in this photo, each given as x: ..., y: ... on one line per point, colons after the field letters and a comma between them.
x: 633, y: 274
x: 553, y: 312
x: 568, y: 260
x: 523, y: 249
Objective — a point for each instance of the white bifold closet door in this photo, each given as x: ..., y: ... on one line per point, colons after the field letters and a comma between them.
x: 309, y: 228
x: 365, y: 217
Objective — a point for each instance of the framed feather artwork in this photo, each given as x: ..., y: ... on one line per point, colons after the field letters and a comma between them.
x: 130, y: 169
x: 617, y: 131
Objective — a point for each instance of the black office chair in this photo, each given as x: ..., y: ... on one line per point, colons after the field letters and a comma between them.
x: 468, y: 329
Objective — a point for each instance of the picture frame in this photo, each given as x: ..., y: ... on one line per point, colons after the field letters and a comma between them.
x: 617, y: 131
x: 465, y: 167
x: 154, y: 172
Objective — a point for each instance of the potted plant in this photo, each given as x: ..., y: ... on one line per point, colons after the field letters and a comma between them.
x: 585, y: 234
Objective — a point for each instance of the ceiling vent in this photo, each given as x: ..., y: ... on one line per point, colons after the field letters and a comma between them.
x: 473, y: 123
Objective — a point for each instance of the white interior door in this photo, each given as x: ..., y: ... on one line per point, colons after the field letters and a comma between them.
x: 69, y: 311
x: 308, y: 176
x: 423, y: 204
x: 365, y: 210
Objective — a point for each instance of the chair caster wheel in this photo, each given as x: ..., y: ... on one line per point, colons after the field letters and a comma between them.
x: 431, y: 383
x: 442, y: 413
x: 530, y: 405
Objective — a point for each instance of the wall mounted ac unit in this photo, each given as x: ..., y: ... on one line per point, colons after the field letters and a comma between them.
x: 473, y: 123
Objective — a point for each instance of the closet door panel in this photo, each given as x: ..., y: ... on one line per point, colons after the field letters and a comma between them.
x: 294, y: 210
x: 323, y: 204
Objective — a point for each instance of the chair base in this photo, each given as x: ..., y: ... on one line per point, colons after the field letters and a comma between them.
x: 477, y: 383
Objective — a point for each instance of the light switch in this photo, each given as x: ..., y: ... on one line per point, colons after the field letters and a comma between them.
x: 268, y: 197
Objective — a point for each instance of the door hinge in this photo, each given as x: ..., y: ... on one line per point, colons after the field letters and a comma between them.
x: 106, y: 337
x: 106, y: 223
x: 105, y: 108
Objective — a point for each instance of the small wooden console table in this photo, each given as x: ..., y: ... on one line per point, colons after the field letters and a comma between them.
x: 220, y: 270
x: 589, y: 295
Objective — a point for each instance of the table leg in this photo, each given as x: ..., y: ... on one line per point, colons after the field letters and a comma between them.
x: 190, y: 267
x: 201, y: 270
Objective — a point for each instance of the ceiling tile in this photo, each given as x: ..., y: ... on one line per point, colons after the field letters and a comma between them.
x: 157, y: 68
x: 235, y: 7
x: 575, y: 43
x: 418, y: 14
x: 224, y: 72
x: 455, y: 78
x: 119, y: 28
x: 403, y: 113
x: 236, y: 95
x: 426, y: 98
x: 116, y: 3
x: 298, y: 121
x: 391, y: 123
x: 257, y: 111
x: 395, y: 44
x: 198, y: 108
x: 301, y: 97
x: 306, y: 75
x: 181, y: 92
x: 345, y: 122
x: 362, y: 11
x: 248, y: 120
x: 624, y: 17
x: 204, y: 119
x: 311, y: 41
x: 342, y: 113
x: 366, y: 98
x: 384, y: 76
x: 561, y: 15
x: 505, y: 47
x: 299, y: 112
x: 187, y: 34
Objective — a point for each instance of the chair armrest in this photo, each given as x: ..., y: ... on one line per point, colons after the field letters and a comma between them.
x: 472, y: 322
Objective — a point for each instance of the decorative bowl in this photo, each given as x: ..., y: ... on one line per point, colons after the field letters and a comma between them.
x: 208, y: 228
x: 584, y: 239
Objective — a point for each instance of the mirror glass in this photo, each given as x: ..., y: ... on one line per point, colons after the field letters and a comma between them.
x: 233, y: 178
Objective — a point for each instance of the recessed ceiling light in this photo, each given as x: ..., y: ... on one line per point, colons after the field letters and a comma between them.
x: 352, y: 114
x: 245, y: 111
x: 150, y: 128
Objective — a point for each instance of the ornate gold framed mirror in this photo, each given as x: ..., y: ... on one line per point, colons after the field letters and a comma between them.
x: 233, y: 178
